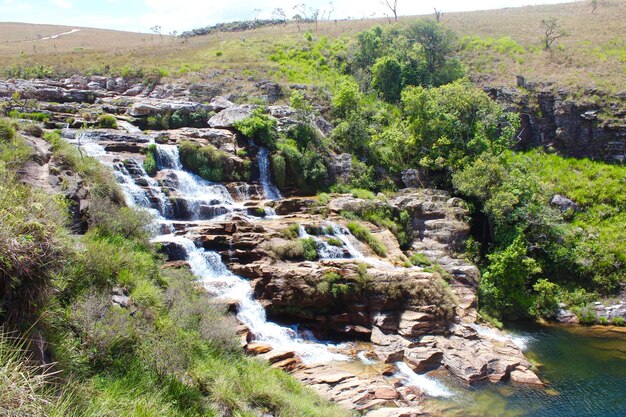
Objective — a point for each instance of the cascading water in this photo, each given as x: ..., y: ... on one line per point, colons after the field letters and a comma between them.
x: 342, y: 234
x: 269, y: 189
x: 520, y: 341
x: 222, y: 283
x: 430, y: 386
x: 208, y: 266
x: 324, y: 249
x: 202, y: 198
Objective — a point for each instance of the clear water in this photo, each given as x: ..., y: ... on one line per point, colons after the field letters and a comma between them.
x: 584, y: 370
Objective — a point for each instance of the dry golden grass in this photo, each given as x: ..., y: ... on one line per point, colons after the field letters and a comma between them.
x: 592, y: 55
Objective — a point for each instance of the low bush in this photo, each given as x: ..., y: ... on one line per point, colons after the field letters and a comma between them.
x: 98, y: 177
x: 149, y: 164
x: 618, y: 321
x: 291, y: 231
x: 111, y: 219
x: 205, y: 161
x: 333, y: 241
x: 419, y: 259
x: 585, y: 314
x: 32, y: 129
x: 260, y: 128
x: 36, y: 116
x: 364, y: 194
x: 293, y: 250
x: 364, y: 235
x: 107, y: 121
x: 309, y: 249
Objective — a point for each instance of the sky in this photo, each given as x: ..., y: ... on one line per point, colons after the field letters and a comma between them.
x: 181, y: 15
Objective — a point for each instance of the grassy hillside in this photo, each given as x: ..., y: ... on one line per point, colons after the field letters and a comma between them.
x: 496, y: 45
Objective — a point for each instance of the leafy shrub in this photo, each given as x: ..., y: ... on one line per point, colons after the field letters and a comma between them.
x: 585, y: 314
x: 603, y: 321
x: 111, y: 220
x: 279, y: 170
x: 205, y: 161
x: 290, y: 232
x: 293, y: 250
x: 364, y: 235
x: 387, y: 78
x: 546, y: 299
x: 618, y: 321
x: 37, y: 116
x: 259, y: 127
x: 107, y: 121
x: 330, y: 284
x: 364, y: 194
x: 309, y: 249
x: 419, y: 259
x: 149, y: 164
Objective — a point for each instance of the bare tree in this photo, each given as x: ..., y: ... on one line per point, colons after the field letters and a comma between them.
x: 392, y: 5
x: 279, y: 14
x: 315, y: 14
x: 332, y: 9
x: 438, y: 15
x: 157, y: 29
x: 594, y: 6
x: 301, y: 9
x: 551, y: 32
x: 257, y: 12
x: 298, y: 19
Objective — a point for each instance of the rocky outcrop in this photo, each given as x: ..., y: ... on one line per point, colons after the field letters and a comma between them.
x: 228, y: 117
x: 574, y: 128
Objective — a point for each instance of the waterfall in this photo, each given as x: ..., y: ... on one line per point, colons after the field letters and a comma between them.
x: 196, y: 191
x: 167, y: 157
x: 269, y: 189
x: 222, y: 283
x: 342, y: 234
x: 324, y: 249
x: 141, y: 191
x: 430, y: 386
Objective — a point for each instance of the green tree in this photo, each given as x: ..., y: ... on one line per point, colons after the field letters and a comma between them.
x: 387, y: 78
x: 504, y: 288
x: 453, y: 124
x: 438, y: 45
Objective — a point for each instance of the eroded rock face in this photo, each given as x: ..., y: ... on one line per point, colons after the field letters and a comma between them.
x: 553, y: 119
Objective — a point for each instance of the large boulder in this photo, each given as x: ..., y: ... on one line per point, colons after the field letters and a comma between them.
x: 227, y: 118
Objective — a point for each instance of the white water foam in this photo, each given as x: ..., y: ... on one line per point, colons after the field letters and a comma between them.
x: 430, y: 386
x: 269, y: 189
x: 520, y: 341
x: 364, y: 359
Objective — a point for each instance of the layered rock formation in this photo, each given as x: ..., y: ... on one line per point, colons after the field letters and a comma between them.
x: 578, y: 128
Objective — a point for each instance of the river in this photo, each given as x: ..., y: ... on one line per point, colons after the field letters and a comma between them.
x: 584, y: 370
